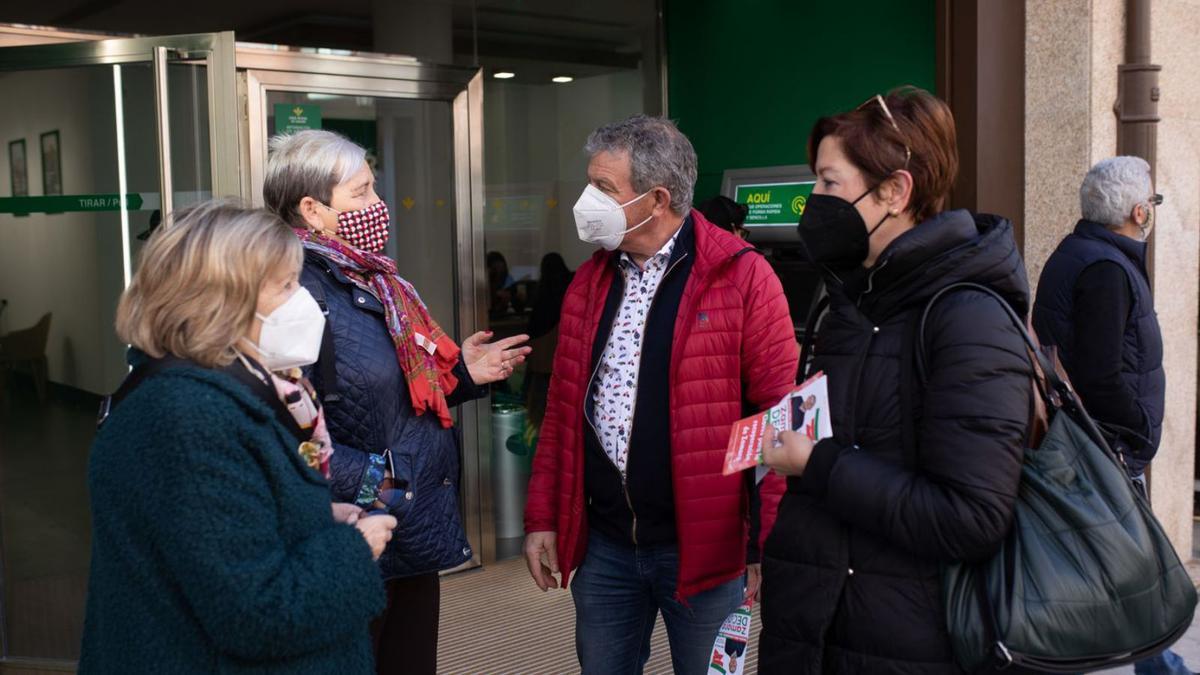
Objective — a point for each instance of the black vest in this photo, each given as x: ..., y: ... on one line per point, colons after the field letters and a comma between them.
x: 647, y: 493
x: 1142, y: 352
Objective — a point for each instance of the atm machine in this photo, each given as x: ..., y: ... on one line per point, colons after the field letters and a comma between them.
x: 776, y: 197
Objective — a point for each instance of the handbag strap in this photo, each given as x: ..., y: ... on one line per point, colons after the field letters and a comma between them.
x: 1051, y: 383
x: 258, y: 382
x: 816, y: 311
x: 135, y: 377
x: 1053, y: 390
x: 326, y: 358
x: 1053, y: 386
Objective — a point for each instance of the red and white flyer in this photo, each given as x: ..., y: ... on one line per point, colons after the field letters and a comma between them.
x: 805, y: 410
x: 733, y: 643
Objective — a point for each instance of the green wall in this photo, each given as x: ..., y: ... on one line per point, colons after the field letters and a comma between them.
x: 748, y: 78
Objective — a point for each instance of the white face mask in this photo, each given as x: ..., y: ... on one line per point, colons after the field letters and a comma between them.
x: 291, y: 335
x: 600, y: 220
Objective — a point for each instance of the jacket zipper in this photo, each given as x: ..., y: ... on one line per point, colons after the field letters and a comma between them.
x: 633, y: 418
x: 862, y: 362
x: 871, y: 281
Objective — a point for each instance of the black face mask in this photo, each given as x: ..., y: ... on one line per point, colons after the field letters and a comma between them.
x: 833, y: 232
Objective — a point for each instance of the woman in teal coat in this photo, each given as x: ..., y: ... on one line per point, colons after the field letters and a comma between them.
x: 215, y: 547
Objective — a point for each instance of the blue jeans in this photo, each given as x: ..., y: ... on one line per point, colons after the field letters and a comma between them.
x: 1166, y: 663
x: 618, y: 593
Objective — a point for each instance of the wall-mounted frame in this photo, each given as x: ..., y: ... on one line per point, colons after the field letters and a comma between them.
x: 51, y: 164
x: 18, y: 168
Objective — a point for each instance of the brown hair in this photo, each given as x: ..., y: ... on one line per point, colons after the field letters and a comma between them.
x: 198, y: 280
x: 925, y: 127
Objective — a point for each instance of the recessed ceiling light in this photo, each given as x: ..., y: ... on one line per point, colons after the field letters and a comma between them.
x: 562, y: 79
x: 504, y: 75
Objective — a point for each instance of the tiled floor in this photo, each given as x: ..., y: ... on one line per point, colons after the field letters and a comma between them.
x: 491, y: 617
x: 45, y: 529
x: 496, y: 621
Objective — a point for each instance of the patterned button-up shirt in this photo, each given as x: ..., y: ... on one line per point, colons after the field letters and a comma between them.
x: 615, y: 391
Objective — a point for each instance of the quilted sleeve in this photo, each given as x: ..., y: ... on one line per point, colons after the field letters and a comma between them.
x: 770, y: 356
x: 958, y: 504
x: 568, y: 373
x: 355, y: 475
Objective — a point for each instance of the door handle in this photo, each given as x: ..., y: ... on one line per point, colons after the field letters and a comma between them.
x: 162, y: 117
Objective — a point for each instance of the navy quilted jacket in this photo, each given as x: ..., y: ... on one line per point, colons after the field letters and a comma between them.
x: 372, y: 413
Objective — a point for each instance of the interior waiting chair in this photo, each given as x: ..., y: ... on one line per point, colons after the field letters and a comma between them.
x: 25, y: 350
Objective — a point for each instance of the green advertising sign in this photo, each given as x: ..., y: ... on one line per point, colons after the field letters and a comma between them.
x: 66, y: 203
x: 774, y: 203
x: 291, y: 117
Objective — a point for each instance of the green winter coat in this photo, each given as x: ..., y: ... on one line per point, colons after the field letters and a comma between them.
x: 213, y: 545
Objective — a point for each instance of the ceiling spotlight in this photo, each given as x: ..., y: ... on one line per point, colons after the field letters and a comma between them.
x: 562, y: 79
x: 504, y: 75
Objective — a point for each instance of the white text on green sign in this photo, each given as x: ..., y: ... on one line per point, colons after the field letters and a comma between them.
x: 292, y: 117
x: 774, y: 203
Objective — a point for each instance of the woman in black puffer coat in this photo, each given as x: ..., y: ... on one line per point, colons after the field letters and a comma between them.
x: 852, y: 568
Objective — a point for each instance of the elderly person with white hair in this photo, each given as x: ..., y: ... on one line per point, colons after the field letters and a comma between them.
x: 1094, y: 304
x: 388, y: 376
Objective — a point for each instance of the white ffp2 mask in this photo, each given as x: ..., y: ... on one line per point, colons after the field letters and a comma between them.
x: 600, y: 220
x: 291, y: 335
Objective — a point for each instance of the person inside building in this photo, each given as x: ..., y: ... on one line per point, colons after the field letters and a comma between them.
x: 1095, y: 306
x: 851, y: 572
x: 671, y: 332
x: 725, y: 214
x: 553, y: 279
x: 501, y: 285
x: 214, y: 546
x: 388, y: 375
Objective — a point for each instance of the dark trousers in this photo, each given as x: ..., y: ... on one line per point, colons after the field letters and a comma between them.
x: 406, y: 634
x: 619, y: 591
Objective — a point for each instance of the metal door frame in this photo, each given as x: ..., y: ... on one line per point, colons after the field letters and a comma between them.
x: 214, y: 50
x: 268, y: 68
x: 69, y: 50
x: 238, y: 77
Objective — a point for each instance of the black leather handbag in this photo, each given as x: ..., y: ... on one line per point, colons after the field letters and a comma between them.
x: 1086, y: 578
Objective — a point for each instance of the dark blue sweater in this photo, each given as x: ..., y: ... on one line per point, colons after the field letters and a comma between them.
x: 213, y: 544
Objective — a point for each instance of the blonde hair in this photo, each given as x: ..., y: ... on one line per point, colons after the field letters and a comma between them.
x: 197, y: 283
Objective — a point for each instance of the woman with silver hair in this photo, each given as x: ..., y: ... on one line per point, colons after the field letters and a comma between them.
x: 388, y: 376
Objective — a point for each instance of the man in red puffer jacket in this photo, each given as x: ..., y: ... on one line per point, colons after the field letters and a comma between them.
x: 670, y: 334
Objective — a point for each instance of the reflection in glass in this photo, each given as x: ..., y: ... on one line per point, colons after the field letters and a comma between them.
x: 62, y: 270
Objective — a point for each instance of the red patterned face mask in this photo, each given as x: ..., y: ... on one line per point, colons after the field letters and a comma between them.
x: 366, y: 229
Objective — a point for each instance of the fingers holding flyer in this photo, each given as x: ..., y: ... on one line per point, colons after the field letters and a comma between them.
x: 782, y: 436
x: 786, y: 452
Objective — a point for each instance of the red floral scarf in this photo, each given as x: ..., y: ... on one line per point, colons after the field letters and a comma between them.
x: 426, y: 354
